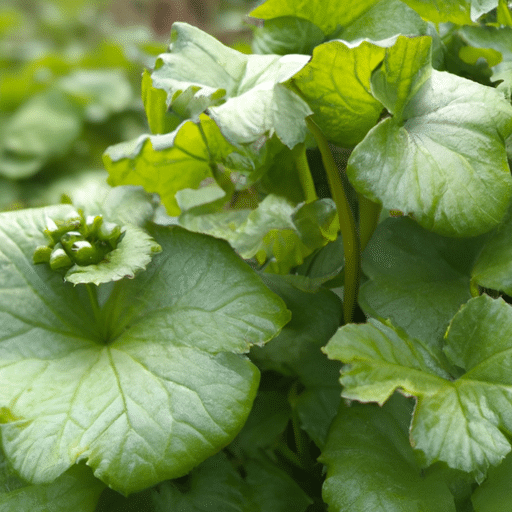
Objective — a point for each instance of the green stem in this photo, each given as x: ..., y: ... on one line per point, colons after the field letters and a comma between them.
x: 369, y: 213
x: 347, y: 223
x: 306, y: 180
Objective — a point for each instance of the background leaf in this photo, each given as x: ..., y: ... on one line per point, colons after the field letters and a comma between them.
x: 371, y: 465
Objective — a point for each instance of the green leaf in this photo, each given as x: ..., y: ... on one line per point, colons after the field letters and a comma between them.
x: 336, y: 85
x: 267, y: 420
x: 76, y: 490
x: 326, y: 17
x: 286, y: 35
x: 42, y: 129
x: 241, y: 93
x: 100, y: 92
x: 371, y: 466
x: 399, y: 19
x: 495, y: 494
x: 143, y: 385
x: 132, y: 255
x: 168, y: 163
x: 412, y: 270
x: 276, y: 232
x: 493, y: 267
x: 443, y: 159
x: 460, y: 421
x: 460, y: 12
x: 405, y: 69
x: 215, y: 486
x: 296, y: 352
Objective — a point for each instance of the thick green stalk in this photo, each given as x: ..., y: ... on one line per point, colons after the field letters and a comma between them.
x: 369, y: 213
x: 347, y: 223
x: 306, y: 180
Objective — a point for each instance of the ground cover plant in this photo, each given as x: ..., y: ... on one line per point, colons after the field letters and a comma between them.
x: 293, y: 292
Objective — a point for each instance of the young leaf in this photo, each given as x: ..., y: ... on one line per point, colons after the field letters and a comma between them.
x: 460, y: 12
x: 406, y: 67
x: 371, y: 465
x: 143, y: 384
x: 241, y: 93
x: 275, y: 232
x: 460, y: 421
x: 336, y: 85
x: 171, y: 162
x: 442, y: 159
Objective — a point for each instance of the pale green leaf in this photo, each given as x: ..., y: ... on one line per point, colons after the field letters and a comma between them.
x: 444, y: 160
x: 142, y: 386
x: 168, y: 163
x: 325, y: 16
x: 336, y: 84
x: 240, y: 92
x: 99, y: 92
x: 132, y: 255
x: 460, y: 12
x: 403, y: 72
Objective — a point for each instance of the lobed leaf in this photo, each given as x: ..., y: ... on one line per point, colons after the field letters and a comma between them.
x: 168, y: 163
x: 462, y: 420
x: 142, y: 386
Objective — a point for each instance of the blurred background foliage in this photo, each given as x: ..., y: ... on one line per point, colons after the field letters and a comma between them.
x: 70, y: 81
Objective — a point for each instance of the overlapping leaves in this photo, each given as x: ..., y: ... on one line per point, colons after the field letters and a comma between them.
x: 442, y: 156
x: 242, y: 93
x: 143, y: 384
x: 461, y: 412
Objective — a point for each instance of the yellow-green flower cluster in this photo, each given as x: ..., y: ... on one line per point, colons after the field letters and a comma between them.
x: 81, y: 240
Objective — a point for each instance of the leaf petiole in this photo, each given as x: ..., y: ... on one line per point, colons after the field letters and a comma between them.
x: 306, y: 180
x: 369, y: 213
x: 347, y: 223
